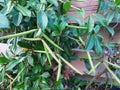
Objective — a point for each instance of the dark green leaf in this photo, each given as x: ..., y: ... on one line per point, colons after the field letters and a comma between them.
x: 17, y: 19
x: 59, y: 85
x: 42, y: 20
x: 24, y: 44
x: 4, y: 60
x: 98, y: 46
x: 90, y: 42
x: 4, y: 21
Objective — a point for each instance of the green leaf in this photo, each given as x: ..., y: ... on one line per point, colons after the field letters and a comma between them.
x: 17, y: 19
x: 73, y: 18
x: 90, y: 24
x: 62, y: 25
x: 4, y: 60
x: 4, y: 21
x: 45, y: 75
x: 59, y: 85
x: 24, y: 10
x: 117, y: 2
x: 111, y: 30
x: 66, y: 6
x: 55, y: 2
x: 12, y: 64
x: 30, y: 60
x: 110, y: 17
x: 25, y: 44
x: 2, y: 76
x: 42, y: 20
x: 90, y: 42
x: 97, y: 29
x: 55, y: 33
x: 98, y: 46
x: 81, y: 12
x: 110, y: 45
x: 100, y: 19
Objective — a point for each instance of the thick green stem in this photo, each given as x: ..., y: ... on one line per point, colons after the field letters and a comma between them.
x: 18, y: 34
x: 88, y: 54
x: 59, y: 72
x: 78, y: 27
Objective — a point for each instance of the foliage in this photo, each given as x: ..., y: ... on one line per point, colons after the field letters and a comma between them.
x: 42, y: 42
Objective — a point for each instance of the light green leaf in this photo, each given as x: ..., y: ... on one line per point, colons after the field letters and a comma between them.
x: 81, y: 12
x: 100, y: 19
x: 66, y: 6
x: 109, y: 17
x: 90, y: 24
x: 45, y: 75
x: 55, y: 33
x: 4, y: 21
x: 24, y: 10
x: 42, y: 20
x: 111, y: 30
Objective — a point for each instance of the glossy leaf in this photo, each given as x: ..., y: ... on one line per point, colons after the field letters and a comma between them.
x: 45, y: 75
x: 111, y: 30
x: 110, y: 17
x: 117, y: 2
x: 98, y: 47
x: 90, y: 42
x: 17, y: 19
x: 90, y: 24
x: 24, y: 10
x: 66, y: 6
x: 42, y: 20
x: 4, y: 60
x: 101, y: 19
x: 81, y: 12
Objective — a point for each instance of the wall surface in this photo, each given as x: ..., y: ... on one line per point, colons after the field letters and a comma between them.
x: 90, y: 7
